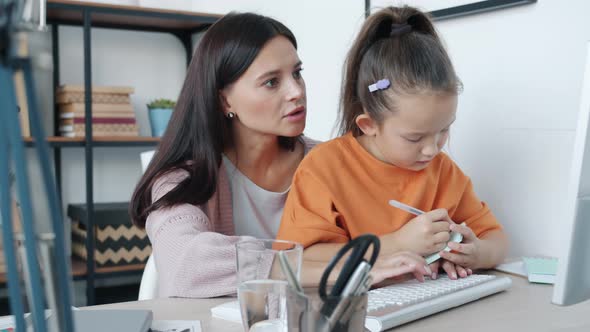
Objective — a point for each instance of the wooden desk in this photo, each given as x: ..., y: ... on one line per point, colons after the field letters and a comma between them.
x: 524, y: 307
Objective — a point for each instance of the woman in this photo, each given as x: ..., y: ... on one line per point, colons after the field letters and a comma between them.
x: 226, y: 161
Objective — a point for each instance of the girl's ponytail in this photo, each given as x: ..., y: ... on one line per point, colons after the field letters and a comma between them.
x: 399, y: 44
x: 377, y: 26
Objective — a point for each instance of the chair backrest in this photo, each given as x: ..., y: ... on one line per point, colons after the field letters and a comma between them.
x: 148, y: 288
x: 146, y: 157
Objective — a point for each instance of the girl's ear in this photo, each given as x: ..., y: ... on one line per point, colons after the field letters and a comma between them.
x: 224, y: 103
x: 366, y: 124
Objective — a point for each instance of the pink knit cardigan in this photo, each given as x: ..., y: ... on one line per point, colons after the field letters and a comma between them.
x: 194, y: 246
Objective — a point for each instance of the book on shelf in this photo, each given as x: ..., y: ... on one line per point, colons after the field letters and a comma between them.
x: 99, y: 129
x: 100, y: 94
x: 96, y: 89
x: 98, y: 120
x: 112, y: 112
x: 96, y: 98
x: 97, y: 116
x: 80, y: 108
x: 114, y: 127
x: 76, y: 134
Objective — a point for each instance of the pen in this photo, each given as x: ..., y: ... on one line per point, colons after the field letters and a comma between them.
x: 455, y: 237
x: 405, y: 207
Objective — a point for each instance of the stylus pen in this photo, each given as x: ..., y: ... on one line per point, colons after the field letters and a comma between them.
x: 405, y: 207
x: 455, y: 237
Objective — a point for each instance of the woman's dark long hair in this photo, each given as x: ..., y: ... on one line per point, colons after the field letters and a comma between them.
x: 198, y: 131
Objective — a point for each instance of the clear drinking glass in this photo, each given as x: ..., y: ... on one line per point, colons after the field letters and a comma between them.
x: 262, y: 285
x: 263, y: 305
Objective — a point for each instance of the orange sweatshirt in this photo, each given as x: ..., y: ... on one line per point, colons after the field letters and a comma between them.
x: 340, y: 191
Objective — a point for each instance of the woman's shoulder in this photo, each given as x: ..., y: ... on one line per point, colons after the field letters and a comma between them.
x: 325, y: 155
x: 309, y: 143
x: 331, y: 146
x: 167, y: 182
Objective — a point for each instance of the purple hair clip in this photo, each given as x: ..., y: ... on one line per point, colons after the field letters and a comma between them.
x: 380, y: 85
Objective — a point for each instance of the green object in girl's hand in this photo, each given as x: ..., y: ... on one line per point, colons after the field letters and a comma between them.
x: 455, y: 237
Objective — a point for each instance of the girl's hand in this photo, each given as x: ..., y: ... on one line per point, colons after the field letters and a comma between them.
x: 398, y: 267
x: 425, y: 234
x: 453, y: 271
x: 465, y: 254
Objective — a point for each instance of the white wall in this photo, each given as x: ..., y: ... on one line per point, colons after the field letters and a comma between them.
x: 522, y: 68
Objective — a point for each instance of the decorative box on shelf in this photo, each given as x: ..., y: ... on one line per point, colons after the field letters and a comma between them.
x: 117, y: 241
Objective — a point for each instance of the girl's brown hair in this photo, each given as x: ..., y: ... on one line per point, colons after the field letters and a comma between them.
x: 399, y: 44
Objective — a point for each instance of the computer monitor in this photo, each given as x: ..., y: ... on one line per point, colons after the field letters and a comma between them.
x: 573, y: 275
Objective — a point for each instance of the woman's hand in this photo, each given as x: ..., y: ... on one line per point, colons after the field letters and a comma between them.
x: 465, y: 254
x: 392, y: 268
x: 425, y: 234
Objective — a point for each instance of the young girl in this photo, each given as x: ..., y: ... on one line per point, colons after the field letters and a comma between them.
x: 399, y: 101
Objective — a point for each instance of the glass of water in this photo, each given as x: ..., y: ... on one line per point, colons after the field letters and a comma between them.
x: 262, y: 285
x: 263, y: 305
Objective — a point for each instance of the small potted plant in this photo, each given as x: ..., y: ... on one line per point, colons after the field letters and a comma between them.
x: 160, y: 111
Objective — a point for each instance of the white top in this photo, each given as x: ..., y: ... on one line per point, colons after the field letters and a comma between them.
x: 256, y: 211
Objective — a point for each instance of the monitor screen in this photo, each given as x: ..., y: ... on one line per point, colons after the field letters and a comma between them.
x: 573, y: 274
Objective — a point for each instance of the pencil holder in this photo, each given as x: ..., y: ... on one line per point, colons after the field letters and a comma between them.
x: 309, y: 313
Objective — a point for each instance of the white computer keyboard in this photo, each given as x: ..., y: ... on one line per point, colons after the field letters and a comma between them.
x: 401, y: 303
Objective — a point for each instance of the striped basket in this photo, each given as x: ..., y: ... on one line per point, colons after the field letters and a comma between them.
x: 117, y: 241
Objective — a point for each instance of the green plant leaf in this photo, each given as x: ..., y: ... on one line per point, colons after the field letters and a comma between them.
x: 162, y: 103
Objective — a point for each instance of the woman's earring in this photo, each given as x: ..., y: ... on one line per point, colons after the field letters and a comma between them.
x: 231, y: 115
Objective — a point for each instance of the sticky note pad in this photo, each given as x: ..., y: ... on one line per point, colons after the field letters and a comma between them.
x: 541, y: 269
